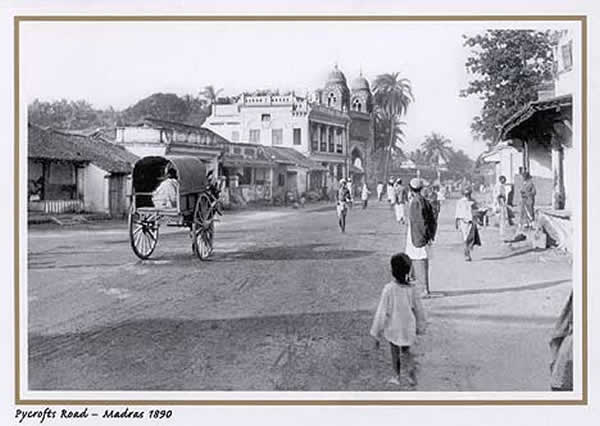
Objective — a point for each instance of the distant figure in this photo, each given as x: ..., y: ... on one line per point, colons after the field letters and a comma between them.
x: 342, y: 198
x: 528, y: 193
x: 400, y: 200
x: 379, y: 191
x: 390, y: 192
x: 501, y: 191
x: 350, y: 186
x: 561, y: 347
x: 441, y: 194
x: 364, y: 195
x: 420, y: 234
x: 399, y: 318
x: 465, y: 222
x: 432, y: 197
x: 166, y: 194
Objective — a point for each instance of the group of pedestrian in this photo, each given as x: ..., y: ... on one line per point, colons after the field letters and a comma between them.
x: 400, y: 317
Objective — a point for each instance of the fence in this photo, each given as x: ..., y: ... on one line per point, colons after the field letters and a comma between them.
x: 56, y: 206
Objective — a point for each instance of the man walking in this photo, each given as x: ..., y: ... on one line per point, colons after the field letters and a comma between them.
x: 420, y: 234
x: 465, y: 222
x: 343, y: 198
x: 379, y: 190
x: 400, y: 199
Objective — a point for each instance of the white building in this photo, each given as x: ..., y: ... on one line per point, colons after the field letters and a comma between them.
x: 152, y: 136
x: 332, y: 127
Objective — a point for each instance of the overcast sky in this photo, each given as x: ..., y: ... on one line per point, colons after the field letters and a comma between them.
x: 119, y: 63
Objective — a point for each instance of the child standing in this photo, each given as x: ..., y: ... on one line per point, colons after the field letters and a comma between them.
x: 399, y: 317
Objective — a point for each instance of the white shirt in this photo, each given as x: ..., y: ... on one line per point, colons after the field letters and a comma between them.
x: 464, y: 209
x: 165, y: 196
x: 365, y: 193
x: 398, y: 314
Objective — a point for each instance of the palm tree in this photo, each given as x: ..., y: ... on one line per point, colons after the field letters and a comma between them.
x: 437, y: 149
x: 210, y: 94
x: 393, y: 95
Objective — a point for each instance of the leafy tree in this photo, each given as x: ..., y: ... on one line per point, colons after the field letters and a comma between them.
x: 392, y: 95
x: 507, y: 68
x: 460, y: 165
x: 69, y: 115
x: 166, y: 106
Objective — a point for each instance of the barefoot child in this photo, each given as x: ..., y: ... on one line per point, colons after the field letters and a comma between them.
x: 399, y: 317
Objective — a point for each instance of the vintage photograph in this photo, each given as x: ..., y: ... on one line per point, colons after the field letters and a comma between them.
x: 325, y: 205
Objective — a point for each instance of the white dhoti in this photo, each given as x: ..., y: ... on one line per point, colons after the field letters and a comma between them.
x: 399, y: 211
x: 465, y: 229
x: 341, y: 208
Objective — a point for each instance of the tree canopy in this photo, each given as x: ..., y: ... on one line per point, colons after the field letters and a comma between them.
x: 392, y: 95
x: 70, y: 115
x: 437, y: 149
x: 507, y: 67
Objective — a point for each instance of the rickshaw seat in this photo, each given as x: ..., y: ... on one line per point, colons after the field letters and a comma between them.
x: 168, y: 211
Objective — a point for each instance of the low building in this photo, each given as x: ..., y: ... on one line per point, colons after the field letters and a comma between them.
x: 69, y: 172
x: 153, y: 136
x: 259, y: 173
x: 505, y: 161
x: 542, y: 132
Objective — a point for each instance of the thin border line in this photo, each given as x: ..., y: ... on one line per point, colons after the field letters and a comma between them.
x: 584, y: 207
x: 17, y: 213
x: 322, y: 18
x: 306, y: 18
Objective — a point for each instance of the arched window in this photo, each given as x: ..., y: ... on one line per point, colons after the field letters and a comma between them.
x: 331, y: 100
x: 357, y: 105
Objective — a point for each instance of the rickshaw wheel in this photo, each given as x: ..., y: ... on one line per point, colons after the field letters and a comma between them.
x: 203, y: 228
x: 143, y: 235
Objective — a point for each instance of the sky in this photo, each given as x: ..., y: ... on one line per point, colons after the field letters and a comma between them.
x: 118, y: 63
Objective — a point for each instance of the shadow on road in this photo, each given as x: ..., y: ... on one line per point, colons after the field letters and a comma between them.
x: 515, y: 254
x: 534, y: 286
x: 313, y: 351
x: 299, y: 252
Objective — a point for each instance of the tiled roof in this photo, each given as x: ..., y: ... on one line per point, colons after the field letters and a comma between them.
x: 556, y: 103
x: 67, y: 146
x: 45, y: 144
x: 290, y: 156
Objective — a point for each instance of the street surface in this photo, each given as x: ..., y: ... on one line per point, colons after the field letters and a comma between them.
x: 286, y: 303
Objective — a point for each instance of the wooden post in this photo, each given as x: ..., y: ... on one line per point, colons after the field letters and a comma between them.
x: 558, y: 182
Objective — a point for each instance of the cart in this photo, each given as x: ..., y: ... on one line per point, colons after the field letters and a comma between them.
x: 196, y: 207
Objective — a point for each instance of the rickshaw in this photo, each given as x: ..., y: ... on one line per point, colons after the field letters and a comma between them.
x: 196, y: 206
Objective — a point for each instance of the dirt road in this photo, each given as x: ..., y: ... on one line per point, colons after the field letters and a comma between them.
x: 285, y: 304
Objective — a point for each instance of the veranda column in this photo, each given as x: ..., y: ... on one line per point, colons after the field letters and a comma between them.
x: 558, y: 181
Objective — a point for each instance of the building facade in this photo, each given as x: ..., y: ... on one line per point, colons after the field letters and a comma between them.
x: 73, y: 173
x: 543, y: 133
x: 152, y: 136
x: 332, y: 127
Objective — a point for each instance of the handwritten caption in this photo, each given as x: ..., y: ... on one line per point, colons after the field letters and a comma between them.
x: 42, y: 415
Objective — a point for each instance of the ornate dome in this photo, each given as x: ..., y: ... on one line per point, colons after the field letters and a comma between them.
x: 360, y: 83
x: 336, y: 77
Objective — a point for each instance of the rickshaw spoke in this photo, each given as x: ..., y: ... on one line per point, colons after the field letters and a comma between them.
x: 143, y: 247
